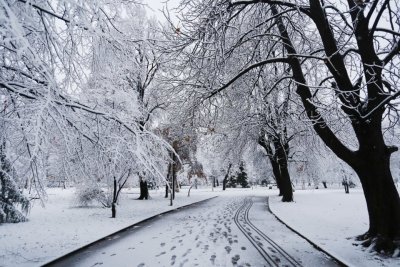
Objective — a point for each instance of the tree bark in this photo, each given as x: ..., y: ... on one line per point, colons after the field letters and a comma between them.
x: 113, y: 208
x: 279, y: 162
x: 144, y: 190
x: 281, y: 156
x: 277, y: 174
x: 226, y: 177
x: 166, y: 190
x: 372, y: 165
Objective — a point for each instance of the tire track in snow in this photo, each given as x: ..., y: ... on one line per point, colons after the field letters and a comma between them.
x: 276, y: 256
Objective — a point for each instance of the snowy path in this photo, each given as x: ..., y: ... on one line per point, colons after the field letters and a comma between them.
x: 225, y: 231
x: 274, y: 254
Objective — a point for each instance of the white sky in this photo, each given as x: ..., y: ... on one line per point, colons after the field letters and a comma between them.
x: 158, y: 5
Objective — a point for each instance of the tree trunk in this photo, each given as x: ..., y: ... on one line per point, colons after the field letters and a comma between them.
x: 113, y: 210
x: 324, y: 184
x: 285, y: 185
x: 372, y: 165
x: 278, y: 158
x: 144, y: 190
x: 166, y: 190
x: 189, y: 190
x: 277, y: 174
x: 226, y: 177
x: 281, y: 157
x: 173, y: 185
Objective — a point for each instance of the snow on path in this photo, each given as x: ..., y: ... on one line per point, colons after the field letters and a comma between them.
x: 331, y: 219
x: 219, y: 232
x: 61, y: 226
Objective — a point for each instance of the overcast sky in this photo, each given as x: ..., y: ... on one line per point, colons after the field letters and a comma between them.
x: 157, y: 5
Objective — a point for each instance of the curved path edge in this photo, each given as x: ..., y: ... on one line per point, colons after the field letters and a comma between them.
x: 315, y: 245
x: 75, y: 251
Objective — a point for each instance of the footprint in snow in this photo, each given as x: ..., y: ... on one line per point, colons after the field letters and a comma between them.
x: 141, y: 265
x: 276, y: 259
x: 173, y: 258
x: 183, y: 262
x: 162, y: 244
x: 228, y: 249
x: 162, y: 253
x: 187, y: 252
x: 235, y: 259
x: 212, y: 259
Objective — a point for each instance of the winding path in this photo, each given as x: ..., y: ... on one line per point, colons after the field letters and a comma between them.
x: 224, y: 231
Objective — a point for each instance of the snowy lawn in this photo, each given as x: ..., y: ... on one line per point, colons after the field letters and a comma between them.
x: 327, y: 217
x: 61, y: 226
x: 331, y: 219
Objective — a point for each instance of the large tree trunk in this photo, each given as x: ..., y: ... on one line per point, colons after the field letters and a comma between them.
x: 281, y: 155
x: 277, y: 173
x: 279, y: 162
x: 372, y: 164
x: 285, y: 184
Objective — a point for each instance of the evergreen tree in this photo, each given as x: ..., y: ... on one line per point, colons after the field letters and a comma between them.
x: 232, y: 181
x: 10, y: 195
x: 242, y: 178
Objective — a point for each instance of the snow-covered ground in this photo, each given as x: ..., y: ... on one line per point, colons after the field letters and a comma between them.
x: 224, y: 231
x: 61, y: 226
x: 331, y: 219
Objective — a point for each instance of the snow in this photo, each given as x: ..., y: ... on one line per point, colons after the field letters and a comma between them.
x: 61, y: 226
x: 328, y: 217
x: 331, y: 219
x: 207, y: 234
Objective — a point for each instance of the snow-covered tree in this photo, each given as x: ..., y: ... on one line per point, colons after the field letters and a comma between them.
x: 343, y: 63
x: 65, y: 80
x: 14, y: 205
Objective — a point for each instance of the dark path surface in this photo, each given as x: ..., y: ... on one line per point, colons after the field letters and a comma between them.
x: 225, y: 231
